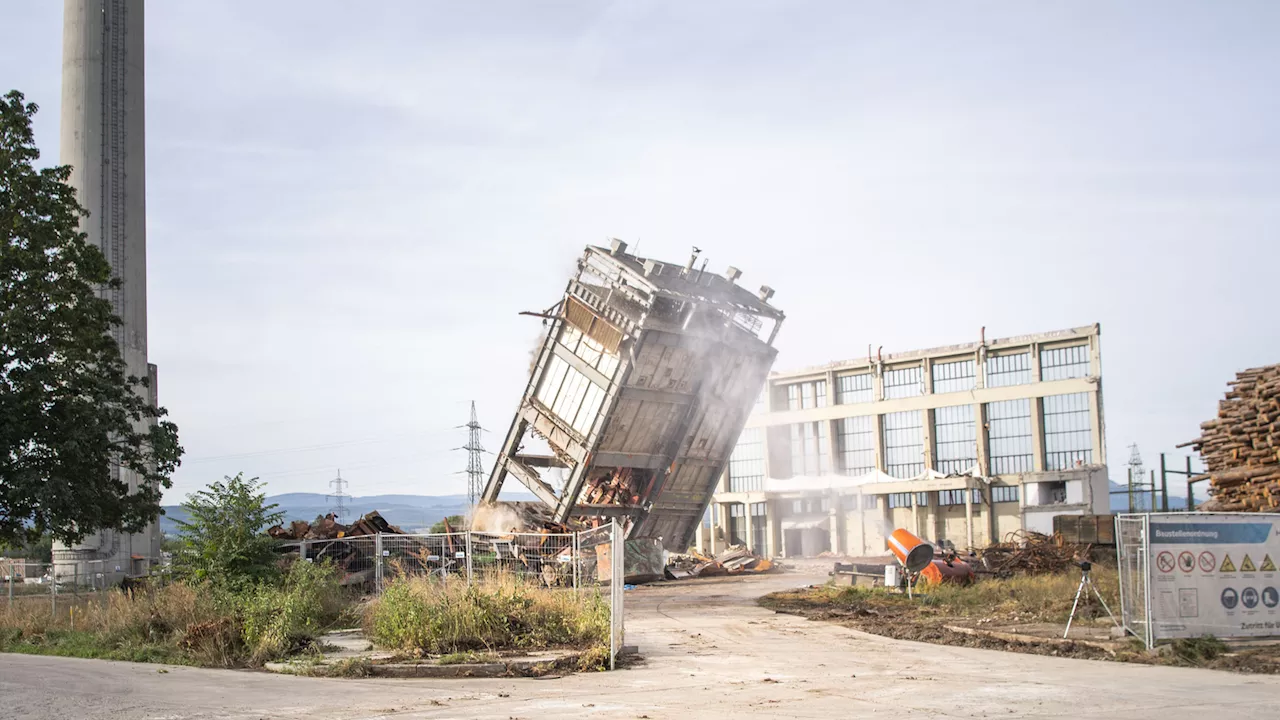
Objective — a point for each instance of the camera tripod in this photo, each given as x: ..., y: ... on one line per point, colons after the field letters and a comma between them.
x: 1086, y: 580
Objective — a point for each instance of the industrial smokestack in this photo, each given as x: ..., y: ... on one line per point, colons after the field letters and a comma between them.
x: 103, y: 140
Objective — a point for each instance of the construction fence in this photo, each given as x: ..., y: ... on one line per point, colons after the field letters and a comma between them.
x: 1185, y: 575
x: 590, y: 559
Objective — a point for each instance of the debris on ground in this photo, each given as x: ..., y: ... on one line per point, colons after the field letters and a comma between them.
x: 733, y: 561
x: 1027, y: 552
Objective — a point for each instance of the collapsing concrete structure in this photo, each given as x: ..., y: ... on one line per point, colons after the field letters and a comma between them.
x: 641, y: 386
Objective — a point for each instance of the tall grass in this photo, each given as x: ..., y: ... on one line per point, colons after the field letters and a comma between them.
x: 447, y: 616
x: 184, y: 624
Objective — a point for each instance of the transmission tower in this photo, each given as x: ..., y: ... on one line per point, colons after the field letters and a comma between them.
x: 475, y: 465
x: 339, y: 497
x: 1137, y: 478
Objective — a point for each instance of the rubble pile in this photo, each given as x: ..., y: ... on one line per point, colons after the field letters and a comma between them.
x: 1026, y: 552
x: 1241, y: 447
x: 734, y: 561
x: 328, y: 528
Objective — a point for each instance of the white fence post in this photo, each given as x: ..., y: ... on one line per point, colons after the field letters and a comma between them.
x: 377, y: 559
x: 469, y: 567
x: 617, y: 577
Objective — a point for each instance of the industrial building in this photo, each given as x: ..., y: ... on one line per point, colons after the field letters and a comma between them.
x: 103, y: 139
x: 644, y: 378
x: 961, y: 444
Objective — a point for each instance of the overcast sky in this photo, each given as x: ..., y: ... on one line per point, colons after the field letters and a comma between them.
x: 347, y: 207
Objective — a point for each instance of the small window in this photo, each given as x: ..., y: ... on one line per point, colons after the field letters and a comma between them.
x: 1004, y: 493
x: 903, y: 382
x: 1005, y: 370
x: 922, y: 499
x: 870, y: 502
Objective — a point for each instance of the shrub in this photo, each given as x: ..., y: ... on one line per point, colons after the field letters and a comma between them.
x: 450, y: 616
x: 282, y: 618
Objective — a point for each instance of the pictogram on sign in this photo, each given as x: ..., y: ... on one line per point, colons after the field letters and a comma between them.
x: 1208, y: 562
x: 1164, y: 561
x: 1267, y: 565
x: 1186, y: 561
x: 1227, y: 565
x: 1247, y: 565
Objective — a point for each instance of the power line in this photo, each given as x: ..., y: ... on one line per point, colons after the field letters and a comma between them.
x: 310, y: 448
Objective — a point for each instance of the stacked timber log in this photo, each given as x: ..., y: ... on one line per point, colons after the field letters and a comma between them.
x: 1241, y: 447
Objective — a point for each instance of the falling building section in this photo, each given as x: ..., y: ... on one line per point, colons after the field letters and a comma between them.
x: 641, y: 386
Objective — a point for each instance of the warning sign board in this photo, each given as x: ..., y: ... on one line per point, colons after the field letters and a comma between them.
x: 1213, y: 574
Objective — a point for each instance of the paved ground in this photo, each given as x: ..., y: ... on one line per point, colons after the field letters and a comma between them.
x: 710, y: 654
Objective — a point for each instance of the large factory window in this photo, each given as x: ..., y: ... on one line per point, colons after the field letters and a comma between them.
x: 851, y: 389
x: 956, y: 438
x: 857, y: 444
x: 1064, y: 363
x: 899, y: 500
x: 570, y: 395
x: 1068, y: 436
x: 903, y: 382
x: 810, y: 450
x: 759, y: 527
x: 589, y: 349
x: 1009, y: 433
x: 806, y: 395
x: 1005, y: 370
x: 737, y: 524
x: 904, y: 444
x: 953, y: 376
x: 746, y: 464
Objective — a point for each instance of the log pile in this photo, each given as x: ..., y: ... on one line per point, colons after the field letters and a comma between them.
x: 1241, y: 447
x: 1025, y: 552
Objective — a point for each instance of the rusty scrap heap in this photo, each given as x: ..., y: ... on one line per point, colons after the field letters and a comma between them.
x: 1241, y: 447
x: 1025, y: 552
x: 328, y: 528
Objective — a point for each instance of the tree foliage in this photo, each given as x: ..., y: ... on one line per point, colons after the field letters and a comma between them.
x: 222, y: 540
x: 68, y: 407
x: 457, y: 523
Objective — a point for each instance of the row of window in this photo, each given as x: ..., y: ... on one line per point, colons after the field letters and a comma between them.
x: 949, y: 376
x: 946, y: 498
x: 1068, y: 440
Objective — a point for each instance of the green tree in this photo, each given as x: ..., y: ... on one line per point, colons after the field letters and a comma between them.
x: 222, y: 540
x: 68, y: 407
x: 457, y: 523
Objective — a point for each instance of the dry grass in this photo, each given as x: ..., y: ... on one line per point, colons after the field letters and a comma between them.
x: 178, y: 623
x: 443, y: 617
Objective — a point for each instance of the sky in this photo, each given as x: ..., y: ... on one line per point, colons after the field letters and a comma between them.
x: 348, y: 208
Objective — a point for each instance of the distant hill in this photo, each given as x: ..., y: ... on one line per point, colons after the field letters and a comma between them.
x: 410, y: 512
x: 1120, y: 502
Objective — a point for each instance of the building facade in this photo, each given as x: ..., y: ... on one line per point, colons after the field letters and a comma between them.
x: 961, y: 444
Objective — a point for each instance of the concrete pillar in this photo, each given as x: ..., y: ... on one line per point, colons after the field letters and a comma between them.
x: 979, y: 371
x: 968, y: 513
x: 915, y: 516
x: 836, y: 530
x: 720, y: 543
x: 833, y: 445
x: 774, y: 531
x: 927, y: 389
x: 984, y: 439
x: 929, y: 451
x: 877, y: 424
x: 1035, y: 362
x: 831, y: 388
x: 877, y: 383
x: 750, y: 529
x: 1037, y: 435
x: 1096, y: 441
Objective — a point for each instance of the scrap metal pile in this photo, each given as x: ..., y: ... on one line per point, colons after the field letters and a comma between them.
x: 1241, y: 447
x: 734, y: 561
x: 1026, y: 552
x: 328, y: 528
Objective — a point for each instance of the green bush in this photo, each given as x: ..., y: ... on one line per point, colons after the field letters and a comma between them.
x: 278, y: 619
x: 441, y: 617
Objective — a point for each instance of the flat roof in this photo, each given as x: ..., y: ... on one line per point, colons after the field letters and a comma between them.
x: 995, y: 344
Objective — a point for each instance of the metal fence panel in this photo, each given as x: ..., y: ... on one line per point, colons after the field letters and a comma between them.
x: 1132, y: 561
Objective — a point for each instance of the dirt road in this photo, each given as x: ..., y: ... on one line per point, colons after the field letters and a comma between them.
x: 710, y: 653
